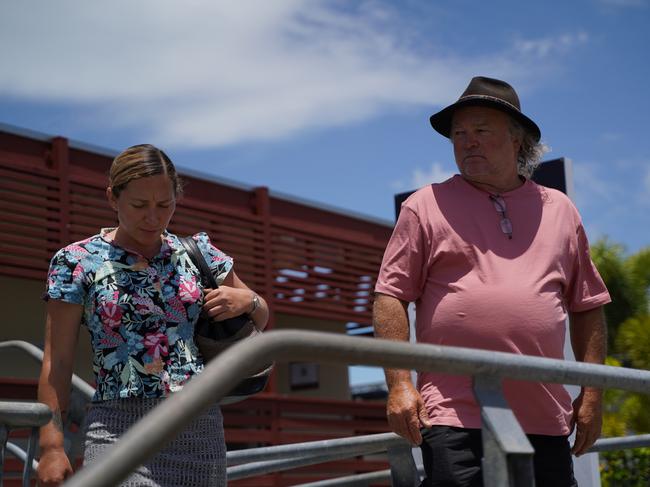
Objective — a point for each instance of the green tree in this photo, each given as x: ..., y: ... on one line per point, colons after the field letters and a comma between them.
x: 628, y: 319
x: 639, y: 268
x: 624, y: 278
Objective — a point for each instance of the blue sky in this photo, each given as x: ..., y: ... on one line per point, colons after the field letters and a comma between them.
x: 329, y: 100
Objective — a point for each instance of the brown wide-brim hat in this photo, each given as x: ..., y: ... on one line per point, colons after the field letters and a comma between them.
x: 487, y: 92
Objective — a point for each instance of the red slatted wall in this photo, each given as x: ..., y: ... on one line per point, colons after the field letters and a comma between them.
x: 307, y: 260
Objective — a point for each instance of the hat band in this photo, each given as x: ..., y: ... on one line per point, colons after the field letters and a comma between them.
x: 490, y: 98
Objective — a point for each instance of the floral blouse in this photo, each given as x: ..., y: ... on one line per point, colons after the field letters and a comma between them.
x: 140, y: 313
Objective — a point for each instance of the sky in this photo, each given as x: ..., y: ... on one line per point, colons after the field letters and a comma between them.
x: 329, y: 100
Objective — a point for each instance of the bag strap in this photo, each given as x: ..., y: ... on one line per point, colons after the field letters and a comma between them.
x: 197, y: 258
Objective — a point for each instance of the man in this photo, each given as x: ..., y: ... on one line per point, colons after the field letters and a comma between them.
x: 492, y: 261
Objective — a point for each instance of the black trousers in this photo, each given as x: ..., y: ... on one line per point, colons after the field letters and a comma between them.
x: 452, y: 458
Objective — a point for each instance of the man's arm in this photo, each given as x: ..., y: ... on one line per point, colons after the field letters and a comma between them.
x: 405, y: 408
x: 589, y: 342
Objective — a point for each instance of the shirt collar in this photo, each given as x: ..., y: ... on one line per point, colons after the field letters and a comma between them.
x: 170, y: 243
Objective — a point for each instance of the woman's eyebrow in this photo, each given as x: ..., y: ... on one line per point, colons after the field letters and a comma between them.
x: 145, y: 200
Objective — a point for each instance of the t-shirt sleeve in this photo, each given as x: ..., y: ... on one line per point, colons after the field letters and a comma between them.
x: 404, y: 266
x: 586, y: 289
x: 66, y: 276
x: 219, y: 262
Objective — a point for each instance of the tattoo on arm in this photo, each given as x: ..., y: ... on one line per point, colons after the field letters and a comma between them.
x: 56, y: 419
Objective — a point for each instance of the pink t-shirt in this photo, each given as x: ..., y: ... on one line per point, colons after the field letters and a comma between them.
x: 473, y: 287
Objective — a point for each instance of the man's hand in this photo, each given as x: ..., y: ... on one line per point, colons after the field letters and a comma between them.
x: 589, y: 342
x: 405, y: 408
x: 406, y: 412
x: 587, y: 419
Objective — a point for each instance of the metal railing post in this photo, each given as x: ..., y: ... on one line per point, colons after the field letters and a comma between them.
x: 403, y: 472
x: 29, y: 457
x: 17, y: 415
x: 507, y: 453
x: 487, y: 366
x: 4, y: 435
x: 165, y: 421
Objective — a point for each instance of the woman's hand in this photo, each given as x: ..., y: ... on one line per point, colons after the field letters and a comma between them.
x: 233, y: 298
x: 53, y: 467
x: 227, y: 302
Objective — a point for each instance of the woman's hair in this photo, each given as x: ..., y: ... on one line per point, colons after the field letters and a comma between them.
x: 530, y: 152
x: 141, y: 161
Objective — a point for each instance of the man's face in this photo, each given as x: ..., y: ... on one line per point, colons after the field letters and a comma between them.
x: 485, y: 150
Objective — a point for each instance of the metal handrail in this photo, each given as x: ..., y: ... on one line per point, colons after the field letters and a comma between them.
x: 353, y: 445
x: 343, y: 448
x: 267, y: 459
x: 358, y: 480
x: 19, y: 415
x: 284, y: 457
x: 24, y: 414
x: 620, y: 443
x: 78, y: 384
x: 165, y: 421
x: 21, y: 455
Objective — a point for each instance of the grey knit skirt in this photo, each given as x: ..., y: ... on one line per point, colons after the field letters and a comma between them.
x: 196, y: 457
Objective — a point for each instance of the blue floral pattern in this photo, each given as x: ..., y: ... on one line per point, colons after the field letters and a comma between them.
x: 140, y: 313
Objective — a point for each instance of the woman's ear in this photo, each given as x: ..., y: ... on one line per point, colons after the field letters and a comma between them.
x: 112, y: 200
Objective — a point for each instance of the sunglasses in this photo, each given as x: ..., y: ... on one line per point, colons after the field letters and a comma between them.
x: 505, y: 223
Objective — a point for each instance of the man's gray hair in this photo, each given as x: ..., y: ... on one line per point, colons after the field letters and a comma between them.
x: 530, y: 152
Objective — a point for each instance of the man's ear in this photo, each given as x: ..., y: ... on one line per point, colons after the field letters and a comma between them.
x: 112, y: 200
x: 517, y: 142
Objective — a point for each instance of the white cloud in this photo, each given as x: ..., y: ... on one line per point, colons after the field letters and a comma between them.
x: 592, y: 189
x: 209, y: 73
x: 436, y: 174
x: 422, y: 177
x: 551, y: 45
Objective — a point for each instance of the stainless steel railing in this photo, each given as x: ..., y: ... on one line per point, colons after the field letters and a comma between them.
x: 20, y: 415
x: 256, y: 461
x: 505, y: 438
x: 78, y: 384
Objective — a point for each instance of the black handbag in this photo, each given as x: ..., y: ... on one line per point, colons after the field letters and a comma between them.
x: 213, y: 337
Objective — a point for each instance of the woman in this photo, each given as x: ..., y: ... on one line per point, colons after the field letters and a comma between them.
x: 138, y: 295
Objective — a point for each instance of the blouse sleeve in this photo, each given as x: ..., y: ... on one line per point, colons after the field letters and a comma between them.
x: 66, y: 276
x: 219, y: 262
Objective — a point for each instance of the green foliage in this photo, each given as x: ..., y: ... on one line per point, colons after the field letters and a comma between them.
x: 625, y: 468
x: 622, y: 280
x: 639, y: 268
x: 628, y: 323
x: 633, y: 339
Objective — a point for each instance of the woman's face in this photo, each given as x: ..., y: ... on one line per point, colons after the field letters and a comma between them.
x: 144, y: 208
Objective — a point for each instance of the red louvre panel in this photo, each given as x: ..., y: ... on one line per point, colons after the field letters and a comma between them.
x: 29, y: 216
x: 89, y: 211
x: 309, y: 261
x: 327, y: 251
x: 238, y: 234
x: 327, y: 277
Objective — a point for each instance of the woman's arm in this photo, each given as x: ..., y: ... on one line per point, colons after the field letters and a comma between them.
x: 61, y: 332
x: 233, y: 298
